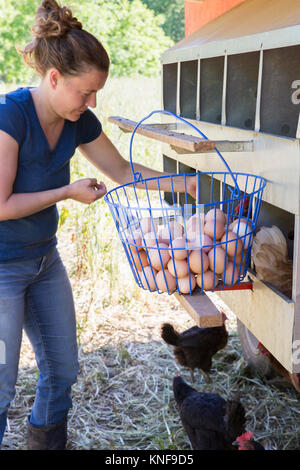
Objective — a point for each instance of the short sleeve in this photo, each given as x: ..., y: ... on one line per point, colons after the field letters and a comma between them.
x: 12, y: 119
x: 89, y: 128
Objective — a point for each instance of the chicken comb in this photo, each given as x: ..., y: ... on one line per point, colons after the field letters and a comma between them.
x: 247, y: 436
x: 262, y: 349
x: 224, y: 316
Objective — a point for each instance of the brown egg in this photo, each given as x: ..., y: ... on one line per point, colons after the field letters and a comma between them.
x: 198, y: 261
x: 148, y: 224
x: 134, y: 238
x: 149, y: 239
x: 149, y: 276
x: 231, y: 274
x: 184, y: 284
x: 192, y: 235
x: 238, y: 258
x: 173, y: 230
x: 178, y: 248
x: 195, y: 243
x: 242, y: 265
x: 216, y: 215
x: 211, y: 226
x: 140, y: 259
x: 165, y: 281
x: 216, y: 258
x: 232, y: 246
x: 241, y: 230
x: 181, y: 267
x: 159, y: 257
x: 195, y: 225
x: 208, y: 280
x: 242, y: 220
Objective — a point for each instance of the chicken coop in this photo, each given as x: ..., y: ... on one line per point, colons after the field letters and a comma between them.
x: 237, y: 79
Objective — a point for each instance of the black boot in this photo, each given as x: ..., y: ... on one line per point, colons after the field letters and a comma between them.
x: 52, y: 437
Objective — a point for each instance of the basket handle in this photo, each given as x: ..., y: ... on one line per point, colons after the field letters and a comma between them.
x: 137, y: 176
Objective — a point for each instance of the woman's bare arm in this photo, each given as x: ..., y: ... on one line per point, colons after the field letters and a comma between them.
x: 104, y: 155
x: 15, y: 206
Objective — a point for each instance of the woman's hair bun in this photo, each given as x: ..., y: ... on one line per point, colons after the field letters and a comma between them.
x: 52, y: 46
x: 53, y: 20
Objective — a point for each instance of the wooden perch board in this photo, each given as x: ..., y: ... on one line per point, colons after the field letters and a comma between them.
x: 182, y: 143
x: 202, y: 310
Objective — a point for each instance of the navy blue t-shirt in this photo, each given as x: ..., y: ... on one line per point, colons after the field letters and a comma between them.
x: 39, y: 169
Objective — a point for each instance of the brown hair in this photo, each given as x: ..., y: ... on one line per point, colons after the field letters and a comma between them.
x: 59, y: 41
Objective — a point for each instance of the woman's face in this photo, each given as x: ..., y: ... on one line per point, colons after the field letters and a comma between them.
x: 72, y: 95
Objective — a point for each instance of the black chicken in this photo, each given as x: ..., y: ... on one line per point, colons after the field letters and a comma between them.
x: 195, y: 347
x: 210, y: 422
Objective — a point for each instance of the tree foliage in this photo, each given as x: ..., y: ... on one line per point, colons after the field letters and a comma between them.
x: 173, y: 12
x: 131, y: 33
x: 16, y: 17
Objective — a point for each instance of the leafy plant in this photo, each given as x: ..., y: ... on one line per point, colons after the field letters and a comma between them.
x: 131, y: 33
x: 16, y: 18
x: 173, y: 12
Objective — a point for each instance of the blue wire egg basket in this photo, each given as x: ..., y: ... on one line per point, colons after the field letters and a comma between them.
x: 202, y: 246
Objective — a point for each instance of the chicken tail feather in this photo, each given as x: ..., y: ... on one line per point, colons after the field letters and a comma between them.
x: 169, y: 334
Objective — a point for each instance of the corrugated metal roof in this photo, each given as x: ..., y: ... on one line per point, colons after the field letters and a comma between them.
x: 257, y: 23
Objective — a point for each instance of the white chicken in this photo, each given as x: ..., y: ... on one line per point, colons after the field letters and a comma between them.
x: 270, y: 257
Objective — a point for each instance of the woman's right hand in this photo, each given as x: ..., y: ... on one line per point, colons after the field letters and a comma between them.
x: 86, y: 190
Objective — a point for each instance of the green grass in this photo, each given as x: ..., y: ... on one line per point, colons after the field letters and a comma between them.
x: 90, y: 228
x: 123, y: 398
x: 98, y: 250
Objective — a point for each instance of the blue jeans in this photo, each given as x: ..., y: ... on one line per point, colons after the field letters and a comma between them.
x: 36, y: 294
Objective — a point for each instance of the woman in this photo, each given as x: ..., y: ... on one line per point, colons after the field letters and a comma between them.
x: 40, y: 128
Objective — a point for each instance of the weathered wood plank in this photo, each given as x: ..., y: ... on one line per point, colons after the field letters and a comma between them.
x: 182, y: 143
x: 202, y: 310
x: 188, y: 142
x: 223, y: 146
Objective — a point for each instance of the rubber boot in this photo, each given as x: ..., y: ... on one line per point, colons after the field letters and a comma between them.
x: 52, y: 437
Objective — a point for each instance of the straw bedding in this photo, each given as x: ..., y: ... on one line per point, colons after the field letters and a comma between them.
x: 123, y: 398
